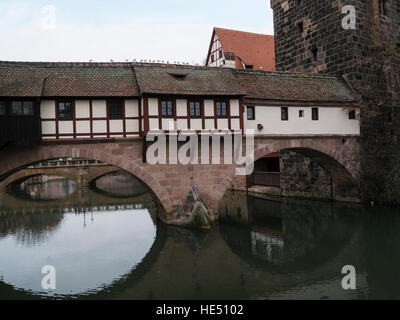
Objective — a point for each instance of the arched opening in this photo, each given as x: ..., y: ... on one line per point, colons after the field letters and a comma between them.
x: 109, y: 235
x: 302, y: 172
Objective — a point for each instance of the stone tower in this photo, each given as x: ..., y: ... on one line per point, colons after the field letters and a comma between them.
x: 310, y: 37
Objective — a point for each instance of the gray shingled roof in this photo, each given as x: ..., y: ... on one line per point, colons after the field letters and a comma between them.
x: 268, y: 85
x: 25, y: 79
x: 187, y: 80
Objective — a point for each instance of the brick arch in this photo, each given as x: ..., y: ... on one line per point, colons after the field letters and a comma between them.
x: 342, y: 167
x: 14, y: 158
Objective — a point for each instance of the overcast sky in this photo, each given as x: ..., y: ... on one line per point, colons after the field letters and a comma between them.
x: 101, y: 30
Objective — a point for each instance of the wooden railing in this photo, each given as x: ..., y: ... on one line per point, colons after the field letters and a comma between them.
x: 269, y: 179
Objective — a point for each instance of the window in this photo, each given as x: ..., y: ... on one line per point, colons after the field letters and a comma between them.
x: 115, y: 109
x: 212, y: 58
x: 352, y: 114
x: 251, y: 113
x: 315, y: 53
x: 195, y: 109
x: 300, y: 27
x: 65, y: 111
x: 284, y: 114
x: 314, y: 114
x: 249, y: 67
x: 220, y: 54
x: 22, y: 108
x: 222, y: 109
x: 167, y: 108
x: 383, y: 6
x: 2, y: 108
x: 301, y: 113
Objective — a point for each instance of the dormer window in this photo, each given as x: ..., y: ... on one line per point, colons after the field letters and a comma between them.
x: 178, y: 76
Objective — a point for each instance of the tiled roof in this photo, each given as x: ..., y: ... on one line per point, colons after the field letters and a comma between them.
x: 187, y: 80
x: 293, y: 87
x: 23, y: 79
x: 67, y: 79
x: 253, y: 49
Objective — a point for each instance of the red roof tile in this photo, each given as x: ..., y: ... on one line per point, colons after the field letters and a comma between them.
x: 253, y: 49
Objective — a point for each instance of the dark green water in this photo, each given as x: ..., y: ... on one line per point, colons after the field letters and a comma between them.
x: 113, y: 248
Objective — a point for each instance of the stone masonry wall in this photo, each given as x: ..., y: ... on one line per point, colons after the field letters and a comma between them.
x: 321, y: 45
x: 303, y: 177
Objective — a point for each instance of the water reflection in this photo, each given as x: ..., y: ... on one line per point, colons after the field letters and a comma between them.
x: 92, y: 240
x: 119, y: 184
x: 261, y: 249
x: 43, y: 187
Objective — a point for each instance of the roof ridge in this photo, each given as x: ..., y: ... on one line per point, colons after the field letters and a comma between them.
x: 256, y: 33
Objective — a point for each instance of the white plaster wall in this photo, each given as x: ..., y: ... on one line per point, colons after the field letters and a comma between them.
x: 153, y: 106
x: 48, y: 127
x: 99, y: 108
x: 100, y: 126
x: 331, y: 121
x: 132, y: 125
x: 181, y: 124
x: 235, y: 124
x: 131, y: 108
x: 165, y: 123
x: 209, y: 108
x: 209, y: 124
x: 65, y: 127
x: 82, y: 126
x: 153, y: 124
x: 48, y: 109
x: 181, y: 108
x: 234, y: 107
x: 82, y: 109
x: 222, y: 124
x: 196, y: 124
x: 116, y: 126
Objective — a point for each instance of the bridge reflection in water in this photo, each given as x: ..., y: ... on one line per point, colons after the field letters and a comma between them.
x: 107, y: 247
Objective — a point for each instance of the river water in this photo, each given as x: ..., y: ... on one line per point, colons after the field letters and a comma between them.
x: 104, y: 246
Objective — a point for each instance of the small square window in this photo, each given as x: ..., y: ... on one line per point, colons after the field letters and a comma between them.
x: 284, y: 114
x: 16, y: 108
x: 115, y: 109
x: 301, y: 113
x: 314, y: 52
x: 300, y: 27
x: 315, y: 115
x: 3, y: 109
x: 167, y: 108
x: 251, y: 113
x: 222, y: 109
x: 195, y: 109
x: 352, y: 115
x: 27, y: 108
x: 65, y: 111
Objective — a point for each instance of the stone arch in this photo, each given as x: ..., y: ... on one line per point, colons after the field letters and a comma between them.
x: 14, y: 158
x: 340, y: 169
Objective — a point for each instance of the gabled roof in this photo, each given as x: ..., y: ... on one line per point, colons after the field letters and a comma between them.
x: 187, y: 80
x: 35, y: 79
x: 257, y: 50
x: 285, y: 86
